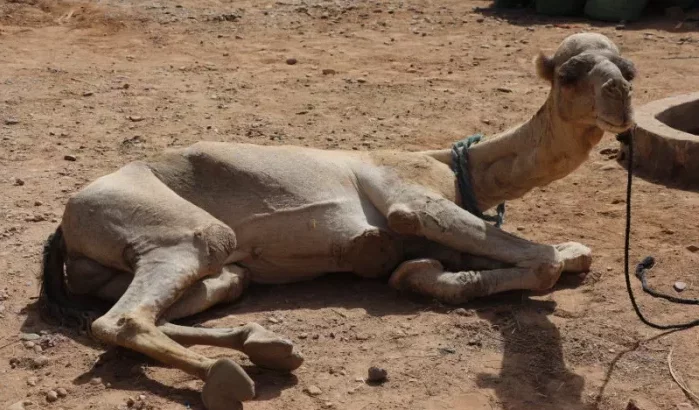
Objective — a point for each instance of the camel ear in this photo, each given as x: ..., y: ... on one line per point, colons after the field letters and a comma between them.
x: 544, y: 67
x: 628, y: 70
x: 575, y: 68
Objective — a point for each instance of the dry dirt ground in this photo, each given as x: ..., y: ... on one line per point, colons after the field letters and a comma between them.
x: 86, y: 88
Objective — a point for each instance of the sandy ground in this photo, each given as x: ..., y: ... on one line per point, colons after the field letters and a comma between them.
x: 113, y: 81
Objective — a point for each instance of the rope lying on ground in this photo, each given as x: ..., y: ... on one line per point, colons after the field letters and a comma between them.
x: 647, y: 263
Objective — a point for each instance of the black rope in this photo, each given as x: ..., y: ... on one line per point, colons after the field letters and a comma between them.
x: 649, y: 261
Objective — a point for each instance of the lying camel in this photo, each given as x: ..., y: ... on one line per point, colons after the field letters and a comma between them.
x: 169, y: 238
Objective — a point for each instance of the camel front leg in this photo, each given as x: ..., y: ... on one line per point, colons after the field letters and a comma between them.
x: 428, y: 277
x: 411, y: 209
x: 442, y: 221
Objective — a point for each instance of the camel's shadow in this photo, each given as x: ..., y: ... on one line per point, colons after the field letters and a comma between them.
x: 120, y: 367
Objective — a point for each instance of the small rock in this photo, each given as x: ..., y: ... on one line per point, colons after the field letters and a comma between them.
x: 36, y: 218
x: 11, y: 121
x: 38, y: 203
x: 291, y: 61
x: 328, y: 405
x: 141, y: 397
x: 273, y: 319
x: 303, y: 336
x: 88, y: 94
x: 136, y: 118
x: 313, y: 390
x: 480, y: 20
x: 504, y: 89
x: 377, y: 375
x: 130, y: 402
x: 51, y: 396
x: 475, y: 342
x: 38, y: 349
x: 29, y: 345
x: 29, y: 336
x: 693, y: 248
x: 329, y: 71
x: 361, y: 80
x: 19, y: 182
x: 485, y: 121
x: 608, y: 167
x: 680, y: 286
x: 70, y: 158
x: 32, y: 381
x: 521, y: 228
x: 96, y: 380
x: 62, y: 392
x: 632, y: 405
x: 39, y: 362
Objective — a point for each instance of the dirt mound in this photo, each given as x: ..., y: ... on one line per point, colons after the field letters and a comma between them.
x: 44, y: 13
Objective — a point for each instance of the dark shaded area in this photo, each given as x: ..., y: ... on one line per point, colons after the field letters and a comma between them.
x: 533, y: 374
x: 654, y: 17
x: 533, y: 351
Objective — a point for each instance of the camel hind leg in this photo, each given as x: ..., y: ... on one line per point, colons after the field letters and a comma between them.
x: 131, y: 220
x: 86, y: 276
x: 161, y: 276
x: 264, y: 348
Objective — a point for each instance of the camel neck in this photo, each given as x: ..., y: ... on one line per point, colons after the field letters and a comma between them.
x: 541, y: 150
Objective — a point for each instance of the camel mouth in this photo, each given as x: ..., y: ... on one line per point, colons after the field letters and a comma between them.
x: 611, y: 127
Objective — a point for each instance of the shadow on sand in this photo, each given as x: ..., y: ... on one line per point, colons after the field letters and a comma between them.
x: 533, y: 374
x: 653, y: 18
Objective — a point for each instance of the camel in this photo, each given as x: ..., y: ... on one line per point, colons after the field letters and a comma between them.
x: 165, y: 239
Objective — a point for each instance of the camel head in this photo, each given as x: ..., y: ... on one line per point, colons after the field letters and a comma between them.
x: 590, y: 82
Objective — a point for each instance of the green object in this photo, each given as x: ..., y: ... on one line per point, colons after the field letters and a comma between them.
x: 615, y: 10
x: 460, y: 166
x: 560, y: 7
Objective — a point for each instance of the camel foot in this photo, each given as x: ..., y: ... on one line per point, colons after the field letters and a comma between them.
x: 269, y: 350
x: 399, y: 279
x: 576, y: 257
x: 226, y: 386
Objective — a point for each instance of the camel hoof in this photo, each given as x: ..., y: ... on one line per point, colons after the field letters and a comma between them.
x: 400, y: 278
x: 269, y: 350
x: 226, y: 386
x: 286, y: 363
x: 576, y: 257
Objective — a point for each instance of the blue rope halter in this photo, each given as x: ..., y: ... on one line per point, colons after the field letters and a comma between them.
x: 459, y: 160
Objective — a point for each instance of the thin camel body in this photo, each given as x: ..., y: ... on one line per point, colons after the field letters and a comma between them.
x: 171, y: 237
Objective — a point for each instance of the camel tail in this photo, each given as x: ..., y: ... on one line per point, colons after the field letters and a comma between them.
x: 56, y: 304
